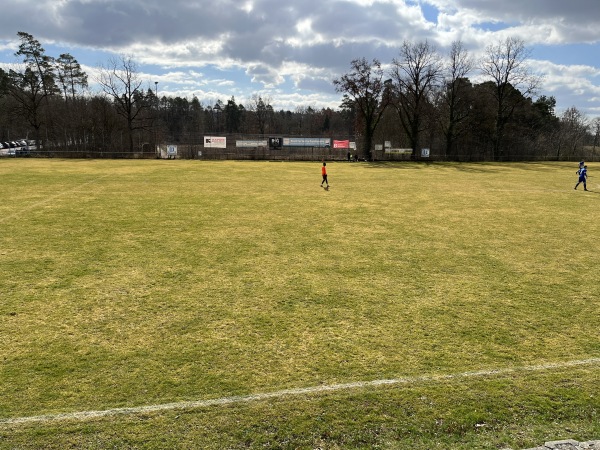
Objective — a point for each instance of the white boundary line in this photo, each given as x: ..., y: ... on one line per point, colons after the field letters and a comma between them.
x: 86, y: 415
x: 49, y: 199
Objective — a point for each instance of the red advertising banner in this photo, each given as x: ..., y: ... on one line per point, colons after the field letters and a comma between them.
x: 341, y: 144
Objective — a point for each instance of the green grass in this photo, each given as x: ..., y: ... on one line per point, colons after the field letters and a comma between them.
x: 131, y: 283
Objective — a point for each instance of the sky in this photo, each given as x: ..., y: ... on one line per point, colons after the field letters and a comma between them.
x: 290, y: 51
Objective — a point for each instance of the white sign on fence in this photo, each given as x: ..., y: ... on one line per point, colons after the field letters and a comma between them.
x: 250, y: 143
x: 215, y: 142
x: 401, y: 151
x: 306, y: 142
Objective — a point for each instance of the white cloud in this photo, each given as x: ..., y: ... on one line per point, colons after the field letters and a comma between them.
x: 298, y: 45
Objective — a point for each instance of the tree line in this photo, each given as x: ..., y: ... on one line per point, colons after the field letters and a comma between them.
x: 421, y: 99
x: 425, y: 99
x: 48, y: 99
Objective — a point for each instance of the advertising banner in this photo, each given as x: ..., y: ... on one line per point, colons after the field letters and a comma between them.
x: 401, y: 151
x: 251, y: 143
x: 341, y: 144
x: 275, y: 142
x: 215, y: 142
x: 306, y: 142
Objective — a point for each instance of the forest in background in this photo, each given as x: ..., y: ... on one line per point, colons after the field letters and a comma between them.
x: 421, y: 99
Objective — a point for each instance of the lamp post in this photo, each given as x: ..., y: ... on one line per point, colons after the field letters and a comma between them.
x: 157, y: 149
x: 217, y: 113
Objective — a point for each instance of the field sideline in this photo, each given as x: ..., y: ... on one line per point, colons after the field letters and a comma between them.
x: 159, y: 288
x: 87, y: 415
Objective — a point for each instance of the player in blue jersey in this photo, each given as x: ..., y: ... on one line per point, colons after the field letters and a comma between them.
x: 582, y: 177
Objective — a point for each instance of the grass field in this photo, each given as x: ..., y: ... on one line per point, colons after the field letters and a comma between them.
x: 127, y: 284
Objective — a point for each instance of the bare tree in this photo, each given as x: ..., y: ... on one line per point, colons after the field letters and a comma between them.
x: 416, y: 73
x: 121, y: 82
x: 365, y: 91
x: 505, y: 63
x: 262, y: 110
x: 574, y: 128
x: 596, y: 131
x: 455, y: 103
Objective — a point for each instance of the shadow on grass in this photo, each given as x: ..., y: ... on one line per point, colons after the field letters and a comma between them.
x: 420, y: 165
x: 471, y: 167
x: 591, y: 191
